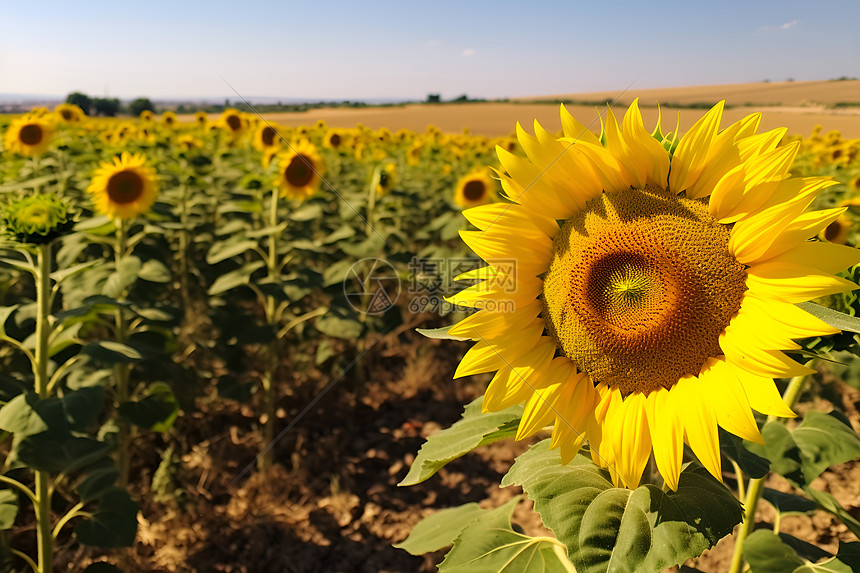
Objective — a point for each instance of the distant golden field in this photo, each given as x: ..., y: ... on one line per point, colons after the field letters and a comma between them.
x: 799, y: 106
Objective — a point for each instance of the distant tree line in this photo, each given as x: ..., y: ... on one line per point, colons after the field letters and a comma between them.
x: 109, y: 107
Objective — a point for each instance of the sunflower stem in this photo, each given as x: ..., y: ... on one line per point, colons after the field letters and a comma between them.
x: 266, y: 458
x: 756, y: 486
x: 121, y: 370
x: 42, y: 485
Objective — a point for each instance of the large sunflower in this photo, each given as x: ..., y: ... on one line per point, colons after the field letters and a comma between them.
x: 299, y: 171
x: 125, y: 188
x: 29, y: 135
x: 475, y: 188
x: 639, y: 298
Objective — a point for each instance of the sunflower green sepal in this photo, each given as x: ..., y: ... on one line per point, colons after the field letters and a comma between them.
x: 37, y: 220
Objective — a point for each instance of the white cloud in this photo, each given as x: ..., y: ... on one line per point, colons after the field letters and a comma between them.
x: 468, y: 52
x: 788, y: 25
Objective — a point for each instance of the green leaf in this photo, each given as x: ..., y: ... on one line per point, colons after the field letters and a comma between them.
x: 782, y: 451
x: 222, y: 251
x: 113, y: 524
x: 122, y: 277
x: 608, y: 528
x: 100, y: 225
x: 63, y: 337
x: 832, y: 317
x: 736, y: 449
x: 19, y: 416
x: 438, y: 333
x: 233, y: 279
x: 825, y: 440
x: 97, y: 483
x: 154, y: 271
x: 489, y: 545
x: 5, y: 313
x: 440, y: 529
x: 156, y: 412
x: 111, y: 352
x: 339, y: 326
x: 472, y: 430
x: 766, y: 553
x: 8, y: 508
x: 59, y: 451
x: 62, y: 274
x: 829, y: 503
x: 307, y: 213
x: 787, y: 504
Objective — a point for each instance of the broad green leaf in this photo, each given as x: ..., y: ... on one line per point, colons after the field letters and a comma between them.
x: 62, y: 274
x: 19, y: 416
x: 767, y: 553
x: 154, y: 271
x: 829, y: 503
x: 488, y: 544
x: 825, y: 440
x: 339, y: 326
x: 8, y: 508
x: 122, y: 277
x: 615, y: 529
x: 233, y: 279
x: 440, y: 529
x: 63, y: 337
x: 111, y: 352
x: 735, y: 449
x: 307, y: 212
x: 157, y: 411
x: 787, y: 504
x: 97, y: 483
x: 472, y: 430
x: 438, y: 333
x: 100, y: 225
x: 228, y: 249
x: 780, y: 448
x: 266, y: 231
x: 113, y: 524
x: 59, y: 451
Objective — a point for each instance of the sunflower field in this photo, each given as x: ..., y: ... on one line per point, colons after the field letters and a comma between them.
x: 225, y: 343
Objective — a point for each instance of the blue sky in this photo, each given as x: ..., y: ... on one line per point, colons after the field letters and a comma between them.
x: 406, y: 49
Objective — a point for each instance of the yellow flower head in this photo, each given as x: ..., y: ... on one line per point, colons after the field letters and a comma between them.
x: 124, y: 188
x: 476, y: 188
x: 202, y: 118
x: 266, y: 137
x: 299, y: 171
x: 69, y: 113
x: 385, y: 177
x: 168, y: 118
x: 640, y: 298
x: 146, y: 115
x: 233, y: 122
x: 29, y: 135
x: 335, y: 139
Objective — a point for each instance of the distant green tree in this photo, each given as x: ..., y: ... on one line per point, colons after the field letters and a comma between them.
x: 81, y: 100
x: 434, y: 98
x: 139, y: 105
x: 106, y: 106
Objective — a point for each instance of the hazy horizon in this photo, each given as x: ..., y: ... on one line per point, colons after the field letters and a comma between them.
x: 397, y: 51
